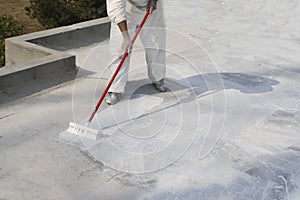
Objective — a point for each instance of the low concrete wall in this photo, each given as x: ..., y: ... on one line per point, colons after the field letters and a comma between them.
x: 82, y: 34
x: 37, y: 55
x: 53, y: 41
x: 16, y: 75
x: 20, y: 51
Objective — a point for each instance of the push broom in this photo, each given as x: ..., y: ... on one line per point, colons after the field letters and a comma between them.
x: 86, y: 131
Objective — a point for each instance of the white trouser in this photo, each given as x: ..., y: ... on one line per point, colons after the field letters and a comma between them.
x: 153, y: 38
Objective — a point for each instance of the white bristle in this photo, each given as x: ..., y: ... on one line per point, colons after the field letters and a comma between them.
x: 83, y: 131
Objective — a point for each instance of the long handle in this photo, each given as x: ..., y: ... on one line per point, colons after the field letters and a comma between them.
x: 119, y: 67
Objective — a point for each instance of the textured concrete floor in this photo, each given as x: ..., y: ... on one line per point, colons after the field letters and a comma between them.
x: 237, y: 61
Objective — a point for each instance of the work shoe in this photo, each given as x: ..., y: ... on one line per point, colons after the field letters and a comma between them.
x: 160, y: 85
x: 112, y: 98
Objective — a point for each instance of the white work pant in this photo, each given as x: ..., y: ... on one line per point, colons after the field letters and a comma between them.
x: 153, y: 38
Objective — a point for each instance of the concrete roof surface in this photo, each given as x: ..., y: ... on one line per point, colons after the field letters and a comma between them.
x: 227, y: 128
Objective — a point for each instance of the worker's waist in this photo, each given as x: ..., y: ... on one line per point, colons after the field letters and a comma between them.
x: 139, y: 3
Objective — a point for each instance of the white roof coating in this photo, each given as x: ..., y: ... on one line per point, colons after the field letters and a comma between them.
x: 227, y: 128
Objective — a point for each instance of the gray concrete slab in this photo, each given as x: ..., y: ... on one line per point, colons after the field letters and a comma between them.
x: 233, y: 68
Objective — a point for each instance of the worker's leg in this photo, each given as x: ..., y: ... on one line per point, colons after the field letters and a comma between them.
x: 116, y: 52
x: 153, y: 37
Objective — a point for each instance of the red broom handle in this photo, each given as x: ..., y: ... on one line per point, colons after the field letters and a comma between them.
x: 119, y: 67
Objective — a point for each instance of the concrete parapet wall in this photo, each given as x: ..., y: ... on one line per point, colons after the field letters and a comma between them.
x: 53, y: 41
x: 21, y: 51
x: 43, y: 54
x: 19, y: 74
x: 74, y: 36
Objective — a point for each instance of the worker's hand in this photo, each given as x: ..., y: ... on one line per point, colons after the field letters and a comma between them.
x: 127, y: 43
x: 152, y: 5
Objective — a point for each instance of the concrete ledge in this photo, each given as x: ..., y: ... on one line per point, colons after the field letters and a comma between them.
x: 18, y: 52
x: 36, y: 69
x: 43, y: 54
x: 82, y: 34
x: 53, y: 41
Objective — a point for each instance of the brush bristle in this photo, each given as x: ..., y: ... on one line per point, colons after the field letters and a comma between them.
x: 83, y: 131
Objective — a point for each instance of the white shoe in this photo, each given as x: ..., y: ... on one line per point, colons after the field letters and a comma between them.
x: 160, y: 86
x: 112, y: 98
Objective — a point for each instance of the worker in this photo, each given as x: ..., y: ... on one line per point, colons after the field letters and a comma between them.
x: 125, y: 16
